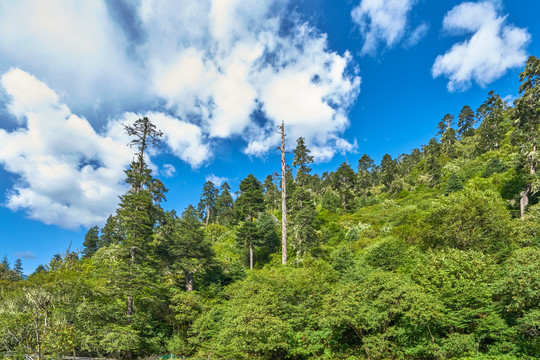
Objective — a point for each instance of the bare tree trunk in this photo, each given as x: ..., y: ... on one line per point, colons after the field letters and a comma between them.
x: 250, y: 254
x: 524, y: 200
x: 189, y: 281
x: 129, y: 308
x: 207, y: 215
x: 283, y: 198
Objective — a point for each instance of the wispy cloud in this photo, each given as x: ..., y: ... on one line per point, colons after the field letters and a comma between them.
x: 494, y: 47
x: 386, y: 22
x: 28, y: 255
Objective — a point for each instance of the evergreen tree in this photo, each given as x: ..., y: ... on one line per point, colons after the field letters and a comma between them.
x: 249, y: 203
x: 271, y: 193
x: 388, y: 170
x: 91, y: 241
x: 207, y: 205
x: 491, y: 115
x: 365, y: 179
x: 302, y: 159
x: 111, y: 233
x: 17, y: 268
x: 224, y: 205
x: 191, y: 252
x: 466, y: 121
x: 344, y: 182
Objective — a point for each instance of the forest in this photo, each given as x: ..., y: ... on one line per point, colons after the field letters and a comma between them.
x: 434, y: 254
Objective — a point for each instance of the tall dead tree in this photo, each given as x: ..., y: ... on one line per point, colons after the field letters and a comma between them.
x: 283, y: 197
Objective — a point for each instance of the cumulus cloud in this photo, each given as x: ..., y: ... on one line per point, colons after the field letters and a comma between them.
x: 385, y: 21
x: 74, y: 47
x: 217, y: 70
x: 236, y: 73
x: 68, y: 174
x: 494, y: 47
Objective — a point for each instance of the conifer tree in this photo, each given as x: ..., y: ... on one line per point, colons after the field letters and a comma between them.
x: 207, y: 205
x: 466, y: 121
x: 302, y: 159
x: 491, y: 131
x: 365, y: 180
x: 91, y: 241
x: 224, y: 205
x: 249, y: 203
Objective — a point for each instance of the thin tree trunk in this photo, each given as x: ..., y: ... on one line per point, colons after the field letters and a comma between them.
x: 524, y: 201
x: 129, y: 308
x: 283, y: 198
x: 189, y: 281
x: 207, y: 215
x: 250, y: 254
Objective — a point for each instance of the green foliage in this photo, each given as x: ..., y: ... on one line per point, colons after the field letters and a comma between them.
x: 469, y: 219
x: 415, y: 258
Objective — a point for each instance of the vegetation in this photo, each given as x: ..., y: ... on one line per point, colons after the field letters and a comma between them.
x: 432, y: 255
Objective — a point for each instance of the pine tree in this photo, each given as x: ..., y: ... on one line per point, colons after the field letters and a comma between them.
x: 302, y: 159
x: 466, y: 121
x: 139, y: 209
x: 207, y: 204
x: 17, y: 268
x: 491, y: 131
x: 365, y: 180
x: 91, y: 241
x: 249, y: 203
x: 344, y: 182
x: 388, y: 170
x: 191, y: 252
x: 224, y: 205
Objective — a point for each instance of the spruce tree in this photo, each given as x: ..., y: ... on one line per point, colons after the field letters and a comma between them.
x: 302, y: 159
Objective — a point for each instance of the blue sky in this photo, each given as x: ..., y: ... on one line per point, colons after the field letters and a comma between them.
x: 352, y: 77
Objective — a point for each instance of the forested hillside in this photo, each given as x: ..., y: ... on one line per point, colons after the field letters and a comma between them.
x: 431, y: 255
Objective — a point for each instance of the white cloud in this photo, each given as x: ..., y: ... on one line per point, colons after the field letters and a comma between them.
x: 384, y: 21
x: 68, y: 173
x: 75, y: 47
x: 493, y: 48
x: 235, y: 61
x: 216, y: 179
x: 168, y: 170
x: 25, y: 255
x: 214, y: 71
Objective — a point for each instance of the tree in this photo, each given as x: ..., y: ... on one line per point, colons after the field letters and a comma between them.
x: 302, y: 160
x: 91, y: 241
x: 224, y: 205
x: 491, y: 131
x: 17, y: 268
x: 344, y: 181
x: 140, y: 209
x: 466, y: 121
x: 527, y: 133
x: 190, y: 250
x: 283, y: 197
x: 271, y: 193
x: 250, y: 202
x: 207, y: 205
x: 365, y: 180
x: 388, y: 170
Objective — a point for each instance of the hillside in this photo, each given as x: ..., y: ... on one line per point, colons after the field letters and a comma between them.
x: 432, y: 255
